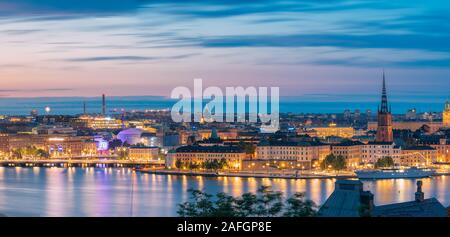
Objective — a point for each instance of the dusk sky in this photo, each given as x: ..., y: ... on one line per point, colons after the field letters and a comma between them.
x: 119, y: 47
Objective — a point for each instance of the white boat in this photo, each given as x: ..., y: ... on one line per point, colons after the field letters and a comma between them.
x: 395, y: 173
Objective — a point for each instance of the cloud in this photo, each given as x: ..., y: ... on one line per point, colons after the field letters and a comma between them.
x: 127, y: 58
x: 67, y: 7
x: 36, y: 89
x: 407, y: 41
x: 19, y: 32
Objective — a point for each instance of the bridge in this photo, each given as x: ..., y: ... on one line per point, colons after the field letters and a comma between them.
x: 80, y: 162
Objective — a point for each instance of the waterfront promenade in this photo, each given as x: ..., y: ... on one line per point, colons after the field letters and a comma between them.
x: 308, y: 174
x: 254, y: 174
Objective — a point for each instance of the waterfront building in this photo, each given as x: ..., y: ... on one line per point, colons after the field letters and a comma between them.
x: 143, y: 153
x: 331, y: 130
x: 373, y: 151
x: 446, y: 115
x: 96, y: 122
x: 441, y: 144
x: 350, y: 200
x: 304, y: 154
x: 131, y: 136
x: 70, y: 146
x: 417, y: 156
x: 56, y: 145
x: 350, y: 150
x: 201, y: 154
x: 384, y: 128
x: 403, y: 156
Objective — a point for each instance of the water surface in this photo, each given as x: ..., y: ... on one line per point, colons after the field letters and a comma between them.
x: 122, y: 192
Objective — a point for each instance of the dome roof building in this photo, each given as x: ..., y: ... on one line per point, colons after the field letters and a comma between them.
x: 131, y: 136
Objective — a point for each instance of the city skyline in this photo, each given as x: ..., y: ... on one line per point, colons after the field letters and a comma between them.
x: 309, y: 49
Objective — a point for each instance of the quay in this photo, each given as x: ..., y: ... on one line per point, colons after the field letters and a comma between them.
x: 96, y: 162
x: 243, y: 174
x: 255, y: 174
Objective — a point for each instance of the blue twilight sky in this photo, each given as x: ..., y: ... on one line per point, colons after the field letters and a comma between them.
x: 313, y: 49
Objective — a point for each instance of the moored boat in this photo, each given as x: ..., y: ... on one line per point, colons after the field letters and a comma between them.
x: 395, y: 173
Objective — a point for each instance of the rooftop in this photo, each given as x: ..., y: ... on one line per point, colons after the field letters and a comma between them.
x: 210, y: 149
x: 427, y: 208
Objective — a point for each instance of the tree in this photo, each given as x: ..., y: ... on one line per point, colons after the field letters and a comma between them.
x: 298, y: 206
x: 327, y: 162
x: 41, y: 153
x: 245, y: 205
x: 178, y: 164
x: 264, y: 203
x: 333, y: 162
x: 225, y: 206
x: 339, y: 163
x: 222, y: 163
x: 384, y: 162
x: 17, y: 153
x: 201, y: 206
x: 268, y: 203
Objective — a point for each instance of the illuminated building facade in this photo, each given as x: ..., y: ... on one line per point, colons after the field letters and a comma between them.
x: 408, y: 156
x: 446, y: 115
x: 55, y: 145
x: 99, y: 122
x: 200, y: 154
x: 305, y: 154
x: 442, y: 146
x: 350, y: 150
x: 71, y: 146
x: 417, y: 156
x: 222, y: 133
x: 143, y: 153
x: 373, y: 151
x: 332, y: 130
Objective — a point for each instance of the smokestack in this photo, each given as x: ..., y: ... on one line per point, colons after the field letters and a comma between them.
x: 103, y: 104
x: 84, y: 107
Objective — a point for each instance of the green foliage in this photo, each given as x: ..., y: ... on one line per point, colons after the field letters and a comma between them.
x: 269, y: 203
x: 339, y: 163
x: 298, y: 206
x: 41, y: 153
x: 265, y: 203
x: 178, y: 164
x: 333, y: 162
x: 29, y: 152
x: 200, y: 206
x: 384, y: 162
x: 209, y: 164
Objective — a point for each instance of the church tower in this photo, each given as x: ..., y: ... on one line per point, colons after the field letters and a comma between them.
x: 446, y: 115
x: 384, y: 130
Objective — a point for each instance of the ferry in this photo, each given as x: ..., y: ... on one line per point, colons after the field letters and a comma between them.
x: 395, y: 173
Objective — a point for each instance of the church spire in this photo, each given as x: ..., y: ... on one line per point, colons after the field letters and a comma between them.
x: 384, y: 102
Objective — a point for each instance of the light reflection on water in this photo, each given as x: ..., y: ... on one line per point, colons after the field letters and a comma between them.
x: 122, y: 192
